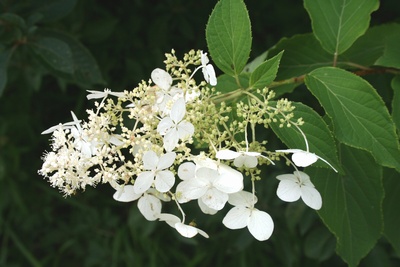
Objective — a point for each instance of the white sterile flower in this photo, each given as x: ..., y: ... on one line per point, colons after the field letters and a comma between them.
x: 208, y: 70
x: 173, y: 127
x: 293, y: 186
x: 248, y: 159
x: 99, y: 94
x: 156, y: 171
x: 303, y: 158
x: 259, y: 223
x: 184, y: 229
x: 212, y: 186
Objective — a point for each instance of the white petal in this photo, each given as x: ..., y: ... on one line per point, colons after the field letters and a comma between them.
x: 178, y: 110
x: 237, y: 217
x: 165, y: 125
x: 161, y: 196
x: 289, y: 150
x: 311, y: 197
x: 143, y: 182
x: 190, y: 189
x: 229, y: 181
x: 186, y: 230
x: 242, y: 198
x: 166, y: 160
x: 304, y: 159
x: 150, y: 160
x: 227, y: 154
x: 126, y: 194
x: 161, y: 78
x: 204, y: 59
x: 164, y: 181
x: 95, y: 94
x: 171, y: 140
x: 150, y: 207
x: 206, y: 209
x: 288, y: 191
x: 288, y: 176
x: 186, y: 170
x: 185, y: 130
x: 303, y: 178
x: 169, y: 218
x: 207, y: 174
x: 214, y: 199
x: 260, y: 225
x: 209, y: 75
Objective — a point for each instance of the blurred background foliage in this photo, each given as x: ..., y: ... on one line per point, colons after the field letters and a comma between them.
x: 51, y: 52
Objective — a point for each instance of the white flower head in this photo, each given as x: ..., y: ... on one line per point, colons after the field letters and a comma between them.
x: 293, y: 186
x: 156, y: 171
x: 208, y: 70
x: 185, y: 230
x: 173, y: 127
x: 303, y: 158
x: 259, y: 223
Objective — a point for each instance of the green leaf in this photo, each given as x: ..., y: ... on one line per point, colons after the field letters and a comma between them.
x: 369, y: 47
x: 303, y: 53
x: 396, y: 101
x: 4, y: 60
x: 264, y: 74
x: 319, y: 137
x: 228, y: 35
x: 85, y: 70
x: 338, y: 23
x: 390, y: 57
x: 391, y: 183
x: 55, y: 52
x: 359, y: 115
x: 352, y: 203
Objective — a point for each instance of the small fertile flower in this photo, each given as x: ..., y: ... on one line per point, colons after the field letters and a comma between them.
x: 99, y: 94
x: 293, y: 186
x: 173, y: 127
x: 208, y: 70
x: 259, y: 223
x: 303, y: 158
x: 212, y: 186
x: 185, y: 230
x: 156, y: 171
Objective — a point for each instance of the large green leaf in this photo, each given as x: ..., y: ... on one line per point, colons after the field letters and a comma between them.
x: 352, y: 203
x: 4, y: 60
x: 338, y: 23
x: 265, y: 73
x: 228, y: 35
x: 391, y: 214
x: 303, y: 53
x: 390, y: 57
x: 85, y: 69
x: 55, y: 52
x: 359, y: 115
x: 318, y: 135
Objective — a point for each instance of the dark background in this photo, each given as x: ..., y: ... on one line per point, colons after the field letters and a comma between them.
x: 128, y: 39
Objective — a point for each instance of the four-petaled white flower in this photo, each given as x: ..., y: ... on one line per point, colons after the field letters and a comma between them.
x: 303, y: 158
x: 293, y: 186
x: 259, y: 223
x: 156, y: 171
x: 173, y: 127
x: 211, y: 186
x: 99, y: 94
x: 208, y: 70
x: 185, y: 230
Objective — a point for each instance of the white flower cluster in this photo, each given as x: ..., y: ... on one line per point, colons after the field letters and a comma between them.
x: 143, y: 142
